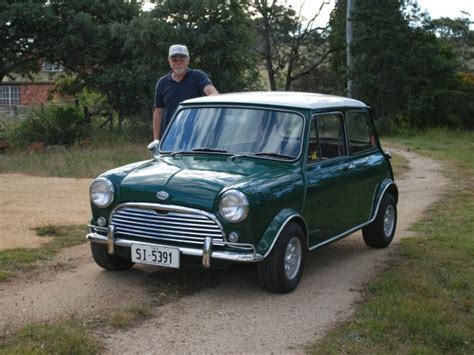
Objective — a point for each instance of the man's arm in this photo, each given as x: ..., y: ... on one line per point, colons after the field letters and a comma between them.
x: 210, y: 90
x: 157, y: 115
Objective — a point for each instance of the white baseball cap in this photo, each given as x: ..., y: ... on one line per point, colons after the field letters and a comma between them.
x: 178, y: 49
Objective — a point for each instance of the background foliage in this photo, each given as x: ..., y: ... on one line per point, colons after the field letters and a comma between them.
x: 414, y: 71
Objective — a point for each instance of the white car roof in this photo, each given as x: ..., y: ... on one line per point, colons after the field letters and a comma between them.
x: 280, y: 98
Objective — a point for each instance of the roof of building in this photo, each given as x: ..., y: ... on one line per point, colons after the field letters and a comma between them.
x: 280, y: 98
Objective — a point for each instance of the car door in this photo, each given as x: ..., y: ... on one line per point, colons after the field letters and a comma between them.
x: 331, y: 199
x: 366, y: 159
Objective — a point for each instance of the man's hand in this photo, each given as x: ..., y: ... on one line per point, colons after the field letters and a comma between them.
x: 210, y: 90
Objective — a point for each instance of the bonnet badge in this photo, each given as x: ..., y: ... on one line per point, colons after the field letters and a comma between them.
x: 162, y: 195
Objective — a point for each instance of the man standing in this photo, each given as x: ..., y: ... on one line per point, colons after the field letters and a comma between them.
x: 180, y: 84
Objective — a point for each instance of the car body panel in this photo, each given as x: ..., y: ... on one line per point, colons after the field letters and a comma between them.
x: 327, y: 198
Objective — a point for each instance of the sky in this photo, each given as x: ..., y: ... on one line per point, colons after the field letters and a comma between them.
x: 436, y: 8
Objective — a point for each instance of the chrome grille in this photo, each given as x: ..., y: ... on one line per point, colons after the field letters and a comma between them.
x: 164, y: 225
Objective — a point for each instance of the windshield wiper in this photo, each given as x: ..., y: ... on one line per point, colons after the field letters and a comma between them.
x: 276, y: 155
x: 207, y: 149
x: 245, y: 155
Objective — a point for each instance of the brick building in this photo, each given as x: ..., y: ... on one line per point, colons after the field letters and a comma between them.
x: 22, y: 91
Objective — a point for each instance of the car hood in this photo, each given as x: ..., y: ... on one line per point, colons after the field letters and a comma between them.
x: 193, y: 181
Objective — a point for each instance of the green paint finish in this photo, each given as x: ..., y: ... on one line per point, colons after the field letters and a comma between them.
x: 326, y: 196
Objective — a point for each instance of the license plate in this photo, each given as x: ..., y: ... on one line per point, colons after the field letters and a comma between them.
x: 155, y: 255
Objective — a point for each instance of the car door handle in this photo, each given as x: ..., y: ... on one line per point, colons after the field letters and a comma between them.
x: 349, y: 167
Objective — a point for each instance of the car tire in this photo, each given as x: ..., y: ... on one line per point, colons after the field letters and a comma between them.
x: 379, y: 233
x: 281, y: 271
x: 107, y: 261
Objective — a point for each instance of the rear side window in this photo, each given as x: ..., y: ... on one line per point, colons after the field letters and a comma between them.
x: 331, y: 136
x: 359, y: 131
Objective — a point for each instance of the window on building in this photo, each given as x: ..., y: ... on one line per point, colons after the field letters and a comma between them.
x: 51, y: 68
x: 9, y: 96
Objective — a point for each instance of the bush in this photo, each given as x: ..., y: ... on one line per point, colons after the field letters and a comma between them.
x: 51, y: 125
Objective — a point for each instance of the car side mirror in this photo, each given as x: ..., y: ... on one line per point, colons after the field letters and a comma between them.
x: 153, y: 146
x: 388, y: 154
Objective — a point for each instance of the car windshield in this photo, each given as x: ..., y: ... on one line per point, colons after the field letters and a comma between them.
x: 236, y: 131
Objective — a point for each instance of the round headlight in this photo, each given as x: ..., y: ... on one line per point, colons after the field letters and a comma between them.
x: 234, y: 206
x: 102, y: 192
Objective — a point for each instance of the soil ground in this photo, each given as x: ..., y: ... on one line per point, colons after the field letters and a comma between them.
x: 234, y: 316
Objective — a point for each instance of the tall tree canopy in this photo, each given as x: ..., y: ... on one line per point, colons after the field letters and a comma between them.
x: 399, y: 66
x: 22, y: 24
x: 289, y: 45
x: 219, y: 36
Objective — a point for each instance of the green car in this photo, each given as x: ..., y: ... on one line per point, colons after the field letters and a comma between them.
x: 258, y: 177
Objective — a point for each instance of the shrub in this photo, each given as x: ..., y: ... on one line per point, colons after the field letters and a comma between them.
x: 51, y: 125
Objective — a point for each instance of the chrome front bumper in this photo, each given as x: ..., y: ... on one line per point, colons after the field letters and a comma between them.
x: 247, y: 254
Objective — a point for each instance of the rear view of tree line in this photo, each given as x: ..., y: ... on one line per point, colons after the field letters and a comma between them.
x: 414, y: 71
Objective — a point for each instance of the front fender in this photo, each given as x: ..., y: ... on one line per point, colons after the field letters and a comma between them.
x: 273, y: 231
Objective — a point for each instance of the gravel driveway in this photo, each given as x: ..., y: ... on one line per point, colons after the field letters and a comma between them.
x: 235, y: 316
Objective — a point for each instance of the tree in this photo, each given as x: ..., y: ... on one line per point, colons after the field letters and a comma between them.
x: 458, y: 34
x: 21, y: 25
x: 400, y: 67
x: 219, y: 36
x: 91, y: 48
x: 290, y: 46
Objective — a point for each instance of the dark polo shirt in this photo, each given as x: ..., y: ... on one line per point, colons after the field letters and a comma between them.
x: 169, y: 93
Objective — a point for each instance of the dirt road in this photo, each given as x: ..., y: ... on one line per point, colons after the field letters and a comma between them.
x: 235, y: 316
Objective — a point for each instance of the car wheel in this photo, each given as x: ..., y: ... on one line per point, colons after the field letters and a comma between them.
x: 107, y: 261
x: 281, y: 271
x: 379, y: 234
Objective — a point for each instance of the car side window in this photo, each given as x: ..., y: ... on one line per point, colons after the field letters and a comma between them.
x: 359, y: 131
x: 330, y: 132
x: 313, y: 147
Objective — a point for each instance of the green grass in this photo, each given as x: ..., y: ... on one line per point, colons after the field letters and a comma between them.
x: 59, y: 338
x: 424, y: 302
x: 74, y: 162
x: 128, y: 317
x: 19, y: 259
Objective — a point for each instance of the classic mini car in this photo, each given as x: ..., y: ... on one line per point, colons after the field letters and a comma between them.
x: 258, y: 177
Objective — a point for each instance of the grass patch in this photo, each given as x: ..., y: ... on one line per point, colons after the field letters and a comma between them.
x: 424, y: 302
x: 13, y: 260
x: 75, y: 161
x: 59, y: 338
x: 128, y: 317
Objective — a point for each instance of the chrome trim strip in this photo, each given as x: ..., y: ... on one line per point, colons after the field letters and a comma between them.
x: 111, y: 240
x: 157, y: 206
x: 137, y: 212
x: 142, y: 226
x: 360, y: 226
x: 170, y: 221
x: 207, y: 253
x: 170, y: 238
x: 97, y: 228
x: 281, y: 228
x: 248, y: 255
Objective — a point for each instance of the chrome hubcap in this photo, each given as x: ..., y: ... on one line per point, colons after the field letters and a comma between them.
x: 293, y: 255
x: 389, y: 221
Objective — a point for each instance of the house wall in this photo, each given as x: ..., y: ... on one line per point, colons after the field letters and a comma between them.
x: 34, y: 94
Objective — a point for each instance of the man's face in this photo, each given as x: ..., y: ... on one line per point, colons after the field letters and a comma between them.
x: 179, y: 64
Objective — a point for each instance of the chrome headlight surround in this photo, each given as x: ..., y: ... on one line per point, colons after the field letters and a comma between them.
x: 233, y: 206
x: 102, y: 192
